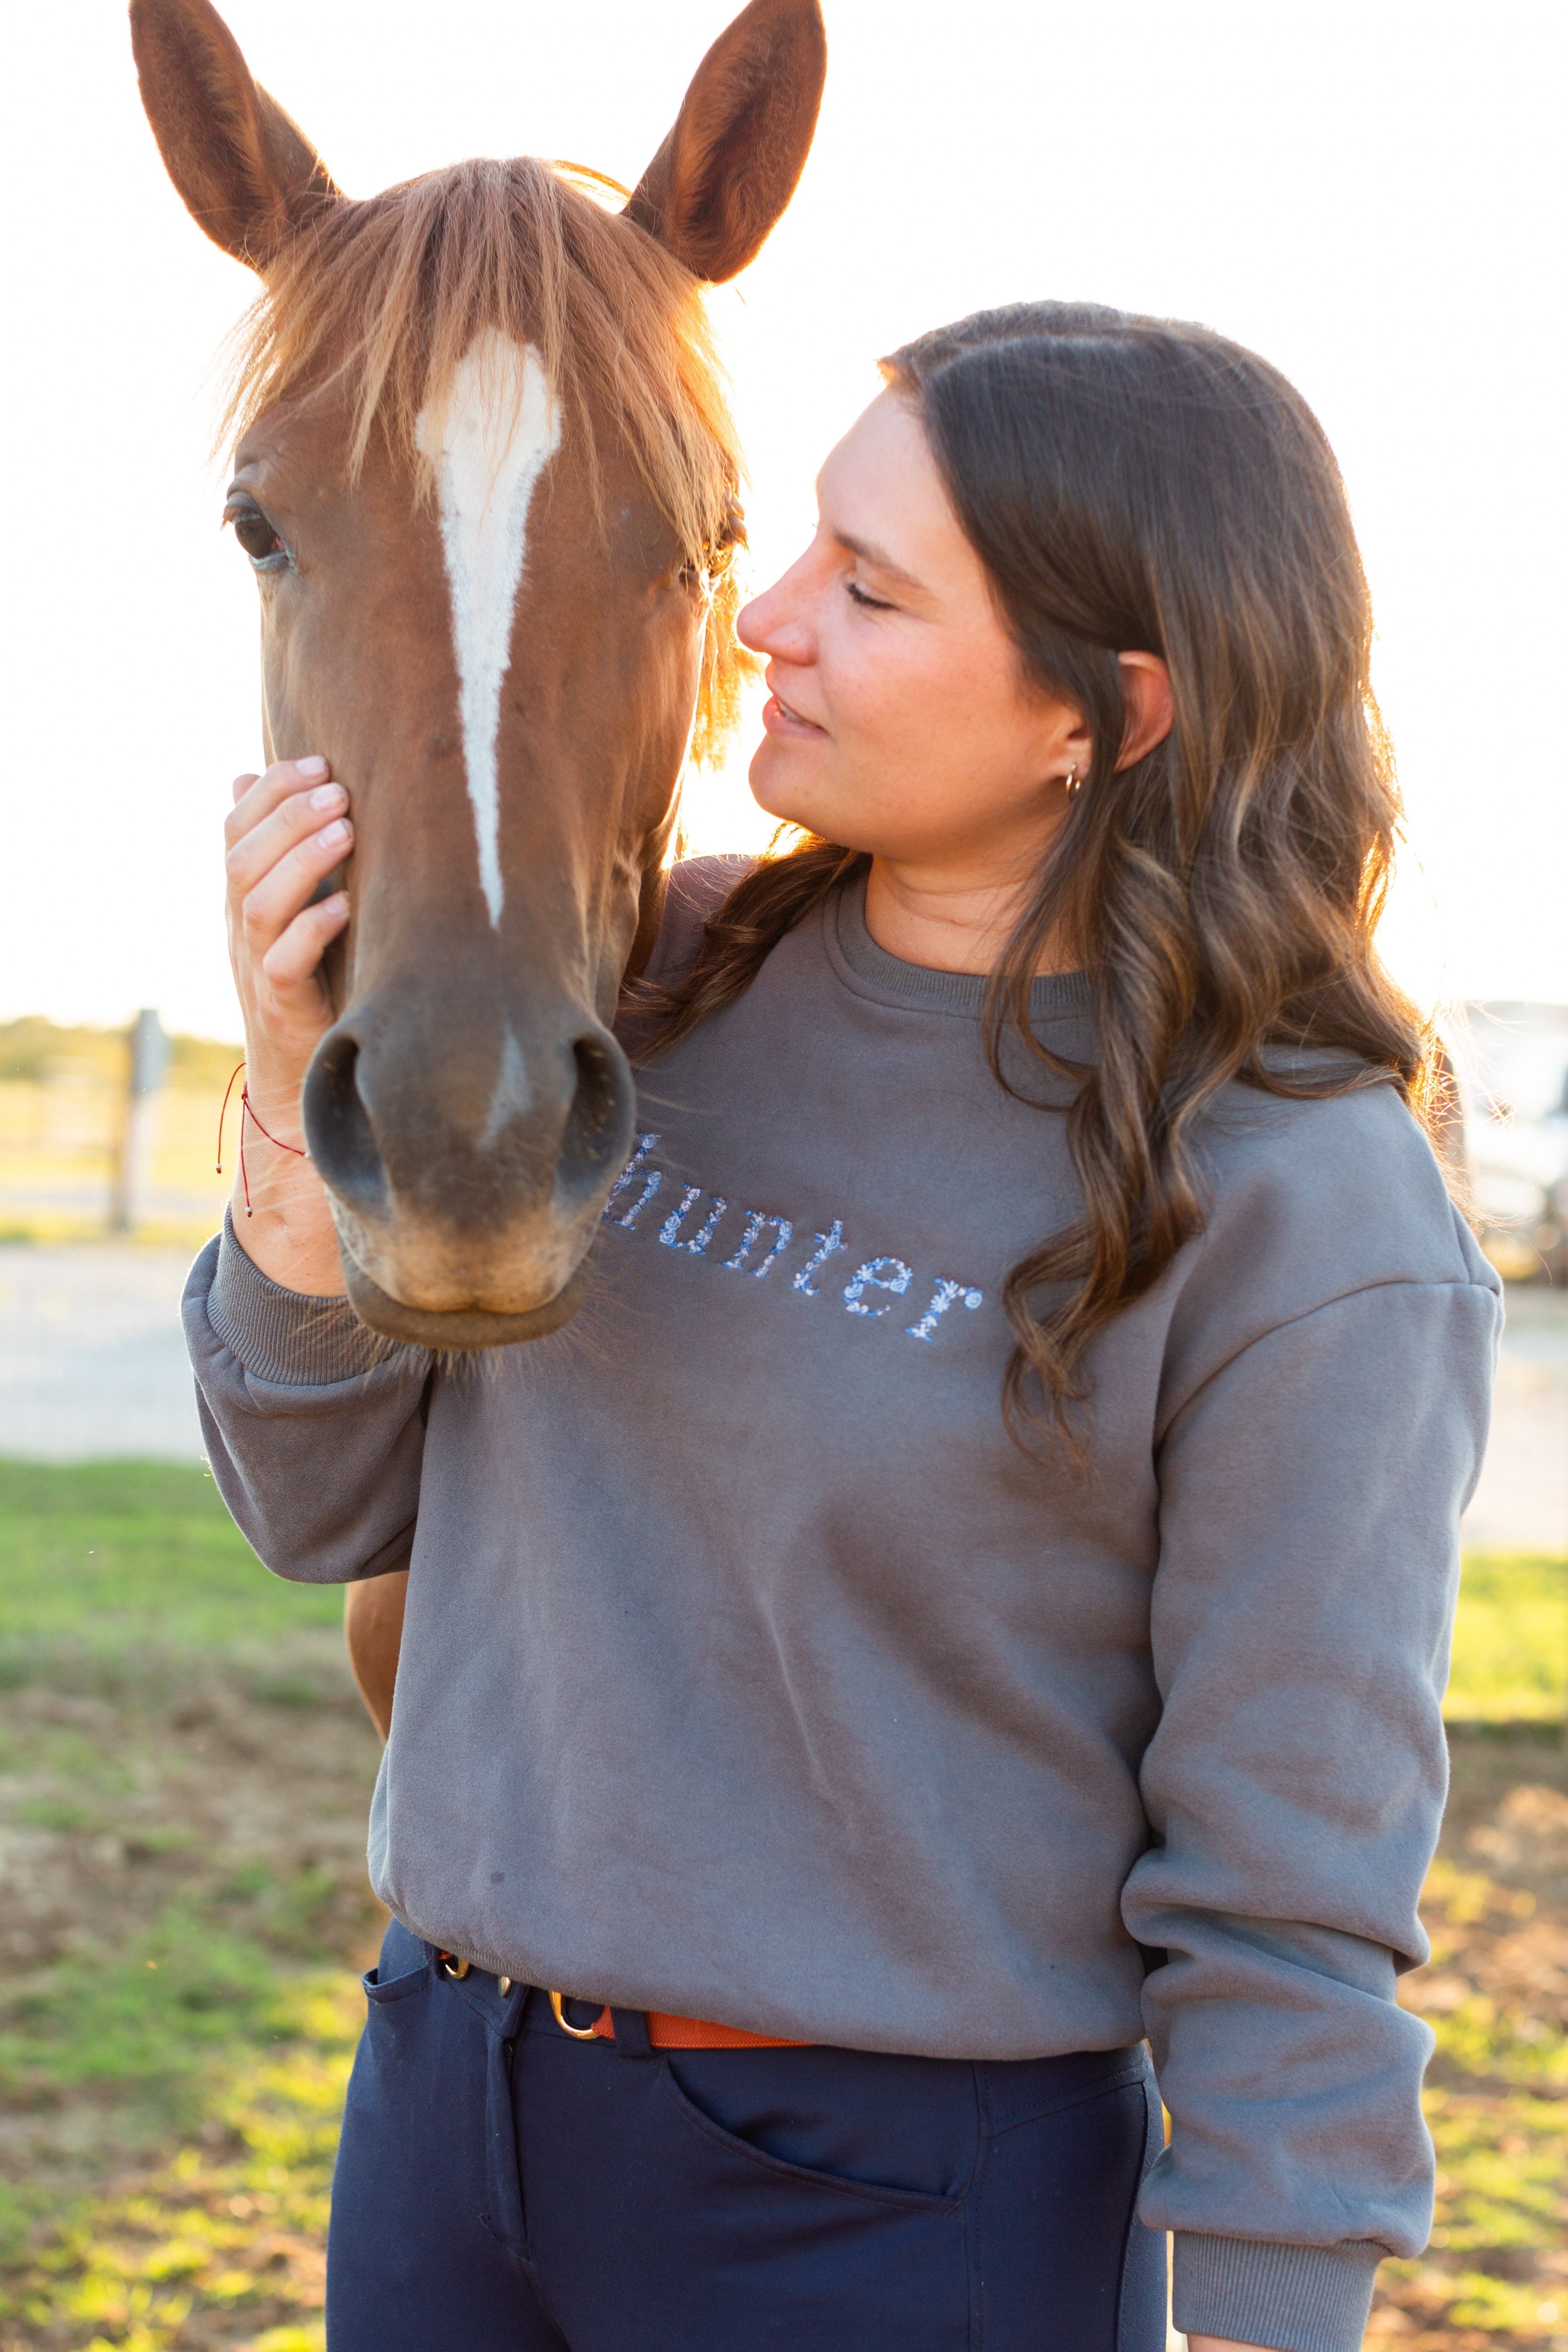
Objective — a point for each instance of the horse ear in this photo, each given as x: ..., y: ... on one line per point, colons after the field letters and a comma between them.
x: 248, y: 174
x: 740, y: 143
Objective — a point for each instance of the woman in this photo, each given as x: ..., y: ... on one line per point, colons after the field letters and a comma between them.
x: 972, y: 1590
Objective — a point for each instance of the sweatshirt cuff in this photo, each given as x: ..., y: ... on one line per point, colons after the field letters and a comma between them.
x: 1292, y: 2299
x: 283, y: 1336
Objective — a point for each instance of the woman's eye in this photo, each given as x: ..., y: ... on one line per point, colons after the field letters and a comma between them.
x: 872, y: 604
x: 257, y: 536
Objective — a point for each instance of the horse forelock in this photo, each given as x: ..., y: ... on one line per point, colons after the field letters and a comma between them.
x: 389, y: 297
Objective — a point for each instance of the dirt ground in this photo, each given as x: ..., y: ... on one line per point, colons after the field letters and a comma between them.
x: 182, y: 1881
x: 1495, y: 1994
x: 216, y: 1829
x: 182, y: 1793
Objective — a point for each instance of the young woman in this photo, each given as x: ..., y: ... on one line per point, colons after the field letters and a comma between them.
x: 971, y: 1590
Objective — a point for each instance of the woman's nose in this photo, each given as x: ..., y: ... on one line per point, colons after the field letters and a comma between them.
x: 751, y: 623
x: 769, y: 625
x: 778, y: 623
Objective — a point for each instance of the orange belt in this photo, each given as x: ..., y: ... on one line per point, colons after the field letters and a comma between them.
x: 668, y: 2033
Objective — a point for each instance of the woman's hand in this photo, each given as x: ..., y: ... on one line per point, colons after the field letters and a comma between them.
x: 288, y: 830
x: 1222, y: 2344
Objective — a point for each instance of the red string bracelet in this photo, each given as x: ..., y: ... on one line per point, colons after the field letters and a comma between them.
x: 247, y: 1112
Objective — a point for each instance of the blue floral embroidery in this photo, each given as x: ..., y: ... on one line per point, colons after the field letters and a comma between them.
x: 651, y: 1185
x: 701, y: 1239
x: 755, y: 1220
x: 826, y: 1244
x: 677, y: 1217
x: 672, y: 1226
x: 945, y: 1293
x: 890, y: 1274
x: 867, y: 1273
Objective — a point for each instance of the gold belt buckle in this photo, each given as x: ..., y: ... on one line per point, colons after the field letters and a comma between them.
x: 451, y: 1966
x: 578, y: 2033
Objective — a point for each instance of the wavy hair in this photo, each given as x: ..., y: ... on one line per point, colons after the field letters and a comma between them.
x: 1139, y: 484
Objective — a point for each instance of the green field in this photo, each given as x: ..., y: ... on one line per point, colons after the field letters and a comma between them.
x: 184, y: 1775
x: 1511, y: 1641
x: 185, y: 1769
x: 114, y: 1559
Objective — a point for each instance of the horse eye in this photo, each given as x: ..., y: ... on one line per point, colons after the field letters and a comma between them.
x: 256, y: 535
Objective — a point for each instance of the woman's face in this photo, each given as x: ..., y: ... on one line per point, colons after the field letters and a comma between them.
x: 900, y: 720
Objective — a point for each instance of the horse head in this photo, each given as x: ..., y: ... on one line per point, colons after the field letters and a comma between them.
x: 487, y: 480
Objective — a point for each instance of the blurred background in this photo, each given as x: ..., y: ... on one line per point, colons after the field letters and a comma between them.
x: 1369, y: 195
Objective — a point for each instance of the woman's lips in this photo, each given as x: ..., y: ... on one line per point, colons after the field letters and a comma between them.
x: 780, y: 719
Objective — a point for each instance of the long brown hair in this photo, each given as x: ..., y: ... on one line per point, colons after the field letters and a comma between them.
x: 1136, y: 483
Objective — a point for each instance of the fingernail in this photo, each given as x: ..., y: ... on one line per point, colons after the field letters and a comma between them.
x: 332, y: 834
x: 314, y: 766
x: 326, y: 796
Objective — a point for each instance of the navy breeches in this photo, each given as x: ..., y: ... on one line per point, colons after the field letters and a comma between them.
x: 501, y: 2187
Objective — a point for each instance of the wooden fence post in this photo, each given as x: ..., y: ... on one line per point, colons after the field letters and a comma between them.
x: 133, y: 1170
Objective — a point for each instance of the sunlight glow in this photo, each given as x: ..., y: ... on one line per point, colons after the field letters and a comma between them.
x: 1311, y: 183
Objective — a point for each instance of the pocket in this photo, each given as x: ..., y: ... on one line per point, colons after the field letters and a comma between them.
x: 427, y: 2051
x: 401, y: 1968
x: 909, y: 2200
x: 395, y: 2069
x: 379, y: 1994
x: 815, y: 2260
x: 422, y: 2188
x: 397, y: 2029
x: 394, y: 2048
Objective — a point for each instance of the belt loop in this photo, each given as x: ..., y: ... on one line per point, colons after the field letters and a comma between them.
x: 631, y: 2033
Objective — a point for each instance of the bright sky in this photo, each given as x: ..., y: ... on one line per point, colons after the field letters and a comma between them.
x: 1362, y: 190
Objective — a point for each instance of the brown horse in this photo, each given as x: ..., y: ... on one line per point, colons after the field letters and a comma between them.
x: 487, y: 483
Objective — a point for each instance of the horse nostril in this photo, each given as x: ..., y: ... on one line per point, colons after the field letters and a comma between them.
x: 337, y: 1124
x: 597, y: 1134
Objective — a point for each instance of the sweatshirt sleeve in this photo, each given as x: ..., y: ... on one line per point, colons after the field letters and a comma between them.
x: 314, y: 1426
x: 1310, y: 1492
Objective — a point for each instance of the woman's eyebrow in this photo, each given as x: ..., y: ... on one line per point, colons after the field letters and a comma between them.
x: 869, y: 553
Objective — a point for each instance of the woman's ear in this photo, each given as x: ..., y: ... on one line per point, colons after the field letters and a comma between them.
x: 1151, y: 706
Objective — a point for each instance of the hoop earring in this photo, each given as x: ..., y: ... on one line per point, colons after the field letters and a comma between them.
x: 1072, y: 781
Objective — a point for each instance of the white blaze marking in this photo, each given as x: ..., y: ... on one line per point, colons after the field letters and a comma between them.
x: 497, y: 431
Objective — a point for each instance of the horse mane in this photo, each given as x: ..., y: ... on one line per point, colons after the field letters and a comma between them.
x: 387, y: 294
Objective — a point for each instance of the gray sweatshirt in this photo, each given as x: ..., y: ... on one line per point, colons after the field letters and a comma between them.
x: 750, y: 1670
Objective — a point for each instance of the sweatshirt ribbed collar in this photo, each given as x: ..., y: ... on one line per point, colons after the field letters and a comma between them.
x: 891, y: 979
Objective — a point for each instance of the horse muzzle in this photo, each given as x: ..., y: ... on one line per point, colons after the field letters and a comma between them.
x: 467, y: 1165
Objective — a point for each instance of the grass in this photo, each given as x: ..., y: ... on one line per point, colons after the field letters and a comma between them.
x: 184, y: 1776
x: 1511, y: 1641
x: 111, y: 1559
x: 184, y: 1770
x: 231, y: 2227
x: 1496, y: 2091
